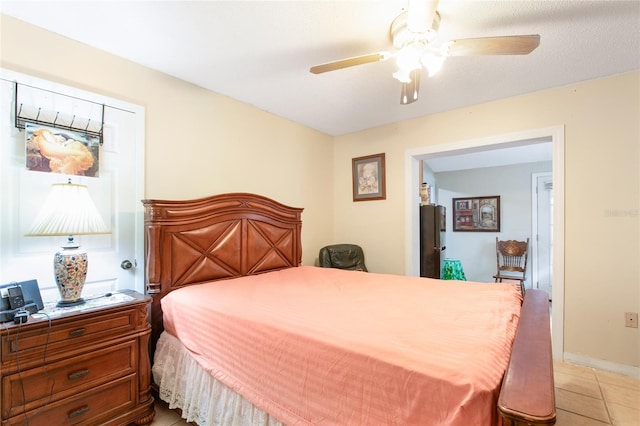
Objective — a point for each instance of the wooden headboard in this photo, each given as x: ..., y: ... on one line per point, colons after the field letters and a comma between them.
x: 214, y: 238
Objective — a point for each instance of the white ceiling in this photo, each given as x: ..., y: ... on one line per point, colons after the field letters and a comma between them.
x: 259, y: 52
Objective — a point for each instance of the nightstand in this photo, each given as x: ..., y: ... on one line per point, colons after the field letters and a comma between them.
x: 83, y: 366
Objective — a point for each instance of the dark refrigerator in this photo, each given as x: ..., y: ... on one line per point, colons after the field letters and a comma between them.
x: 432, y: 239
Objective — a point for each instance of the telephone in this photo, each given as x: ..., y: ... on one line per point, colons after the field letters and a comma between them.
x: 17, y: 297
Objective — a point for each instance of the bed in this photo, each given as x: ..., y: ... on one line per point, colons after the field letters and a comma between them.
x: 245, y: 334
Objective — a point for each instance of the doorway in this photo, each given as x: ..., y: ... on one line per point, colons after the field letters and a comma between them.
x: 413, y: 158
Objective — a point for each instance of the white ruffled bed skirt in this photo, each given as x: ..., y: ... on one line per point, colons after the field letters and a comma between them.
x: 184, y: 384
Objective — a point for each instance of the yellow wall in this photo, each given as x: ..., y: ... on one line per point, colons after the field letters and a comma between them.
x: 200, y: 143
x: 602, y: 189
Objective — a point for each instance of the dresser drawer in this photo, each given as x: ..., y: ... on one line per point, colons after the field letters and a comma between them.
x: 66, y: 335
x: 92, y: 407
x: 39, y: 386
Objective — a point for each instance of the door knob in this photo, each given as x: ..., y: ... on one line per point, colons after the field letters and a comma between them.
x: 126, y: 264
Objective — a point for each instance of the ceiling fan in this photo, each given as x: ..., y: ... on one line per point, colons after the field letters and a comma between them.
x: 413, y: 34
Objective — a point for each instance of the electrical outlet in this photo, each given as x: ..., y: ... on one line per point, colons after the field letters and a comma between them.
x: 631, y: 319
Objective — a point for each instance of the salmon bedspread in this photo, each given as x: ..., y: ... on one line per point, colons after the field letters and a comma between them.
x: 320, y: 346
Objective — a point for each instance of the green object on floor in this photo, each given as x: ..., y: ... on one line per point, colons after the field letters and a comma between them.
x: 452, y: 270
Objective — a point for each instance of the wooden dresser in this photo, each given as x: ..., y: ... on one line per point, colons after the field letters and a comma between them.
x: 85, y: 367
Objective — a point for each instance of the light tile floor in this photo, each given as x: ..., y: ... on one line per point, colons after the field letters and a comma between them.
x: 584, y: 397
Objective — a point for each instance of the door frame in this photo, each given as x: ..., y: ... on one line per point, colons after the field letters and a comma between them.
x: 534, y: 228
x: 139, y: 172
x: 412, y: 160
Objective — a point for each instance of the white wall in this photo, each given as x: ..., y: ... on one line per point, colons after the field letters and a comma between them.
x: 476, y: 250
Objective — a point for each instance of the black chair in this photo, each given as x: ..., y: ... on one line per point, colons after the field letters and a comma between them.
x: 342, y: 256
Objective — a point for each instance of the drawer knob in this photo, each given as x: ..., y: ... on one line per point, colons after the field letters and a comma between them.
x: 78, y: 374
x: 77, y: 332
x: 78, y: 412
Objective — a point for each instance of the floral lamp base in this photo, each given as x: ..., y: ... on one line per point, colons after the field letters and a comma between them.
x: 70, y: 269
x: 452, y: 270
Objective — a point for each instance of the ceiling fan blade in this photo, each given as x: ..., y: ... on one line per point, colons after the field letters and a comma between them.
x: 349, y: 62
x: 420, y: 15
x: 505, y: 45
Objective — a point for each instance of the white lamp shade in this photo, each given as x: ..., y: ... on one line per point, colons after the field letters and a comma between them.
x: 68, y: 210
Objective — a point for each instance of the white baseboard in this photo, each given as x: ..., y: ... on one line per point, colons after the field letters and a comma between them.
x: 600, y: 364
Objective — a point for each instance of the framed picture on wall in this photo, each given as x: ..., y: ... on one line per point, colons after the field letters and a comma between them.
x: 368, y: 178
x: 476, y: 214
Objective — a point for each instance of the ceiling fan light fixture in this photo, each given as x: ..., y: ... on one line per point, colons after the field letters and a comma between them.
x: 414, y: 34
x: 409, y: 57
x: 433, y: 60
x: 401, y: 35
x: 403, y: 76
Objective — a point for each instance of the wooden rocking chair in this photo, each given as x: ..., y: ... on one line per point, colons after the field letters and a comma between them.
x: 511, y: 258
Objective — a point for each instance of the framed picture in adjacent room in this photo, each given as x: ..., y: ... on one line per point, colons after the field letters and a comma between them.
x: 476, y: 214
x: 368, y: 178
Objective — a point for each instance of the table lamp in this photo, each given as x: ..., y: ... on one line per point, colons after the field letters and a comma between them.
x: 69, y: 211
x: 452, y: 270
